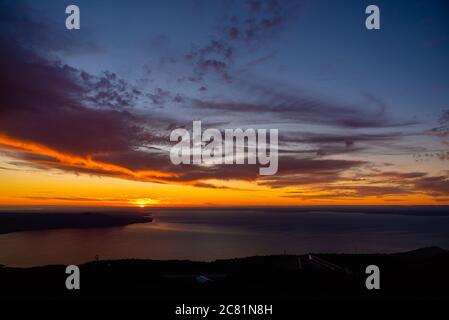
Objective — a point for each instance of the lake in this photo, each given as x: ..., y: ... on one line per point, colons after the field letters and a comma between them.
x: 209, y: 234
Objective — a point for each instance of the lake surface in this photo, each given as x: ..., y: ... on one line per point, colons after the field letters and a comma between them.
x: 209, y: 234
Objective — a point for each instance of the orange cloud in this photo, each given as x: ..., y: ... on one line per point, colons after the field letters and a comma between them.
x: 82, y: 162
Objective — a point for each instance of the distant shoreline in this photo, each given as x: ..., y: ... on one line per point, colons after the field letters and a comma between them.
x: 26, y: 221
x: 415, y: 210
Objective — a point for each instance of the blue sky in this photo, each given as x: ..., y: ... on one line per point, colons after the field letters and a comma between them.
x: 323, y: 47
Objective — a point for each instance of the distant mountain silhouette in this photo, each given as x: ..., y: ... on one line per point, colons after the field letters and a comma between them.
x: 426, y: 251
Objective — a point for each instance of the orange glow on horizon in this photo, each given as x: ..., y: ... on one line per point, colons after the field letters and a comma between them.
x: 142, y: 203
x: 121, y: 187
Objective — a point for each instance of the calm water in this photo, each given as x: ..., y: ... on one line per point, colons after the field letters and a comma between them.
x: 214, y: 234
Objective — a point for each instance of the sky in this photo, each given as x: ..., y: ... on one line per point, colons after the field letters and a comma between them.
x: 86, y: 115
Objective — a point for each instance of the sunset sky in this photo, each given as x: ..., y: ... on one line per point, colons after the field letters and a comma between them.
x: 86, y: 115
